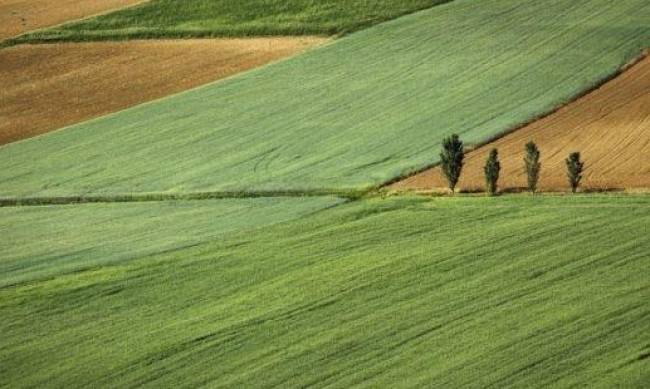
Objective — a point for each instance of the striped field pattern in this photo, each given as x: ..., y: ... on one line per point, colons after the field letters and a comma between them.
x: 402, y: 292
x: 352, y: 114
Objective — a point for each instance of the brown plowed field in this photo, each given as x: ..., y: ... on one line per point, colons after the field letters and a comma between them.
x: 20, y: 16
x: 45, y: 87
x: 610, y: 127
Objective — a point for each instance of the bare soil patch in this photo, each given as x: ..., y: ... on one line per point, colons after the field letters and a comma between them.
x: 46, y: 87
x: 20, y: 16
x: 610, y: 127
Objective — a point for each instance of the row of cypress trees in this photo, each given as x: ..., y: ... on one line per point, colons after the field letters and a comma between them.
x: 453, y: 154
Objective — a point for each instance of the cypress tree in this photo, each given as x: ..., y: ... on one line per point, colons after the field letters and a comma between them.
x: 533, y: 166
x: 492, y: 169
x: 451, y: 159
x: 575, y: 168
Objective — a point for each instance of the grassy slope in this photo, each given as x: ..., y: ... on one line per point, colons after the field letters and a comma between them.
x: 450, y: 292
x: 48, y: 241
x: 355, y: 113
x: 210, y: 18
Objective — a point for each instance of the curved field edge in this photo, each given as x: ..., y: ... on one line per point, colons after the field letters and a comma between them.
x: 47, y: 87
x: 315, y: 121
x: 19, y: 17
x: 403, y: 292
x: 158, y: 19
x: 610, y: 127
x: 51, y: 242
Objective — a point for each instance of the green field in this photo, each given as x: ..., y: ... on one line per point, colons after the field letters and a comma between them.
x: 42, y: 242
x: 227, y: 18
x: 169, y: 267
x: 400, y: 292
x: 353, y: 114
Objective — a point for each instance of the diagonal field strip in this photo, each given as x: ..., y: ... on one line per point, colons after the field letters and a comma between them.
x: 353, y: 114
x: 399, y: 292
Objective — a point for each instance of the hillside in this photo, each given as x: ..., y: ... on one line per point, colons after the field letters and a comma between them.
x: 315, y: 121
x: 401, y: 292
x: 610, y: 127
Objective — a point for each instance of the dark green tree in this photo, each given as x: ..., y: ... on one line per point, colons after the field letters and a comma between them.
x: 451, y: 159
x: 533, y: 166
x: 492, y: 169
x: 575, y: 167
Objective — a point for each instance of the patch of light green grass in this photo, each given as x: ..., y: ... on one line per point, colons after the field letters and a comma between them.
x: 48, y: 241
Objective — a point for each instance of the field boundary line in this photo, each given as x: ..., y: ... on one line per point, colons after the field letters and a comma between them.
x: 348, y: 195
x: 158, y: 197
